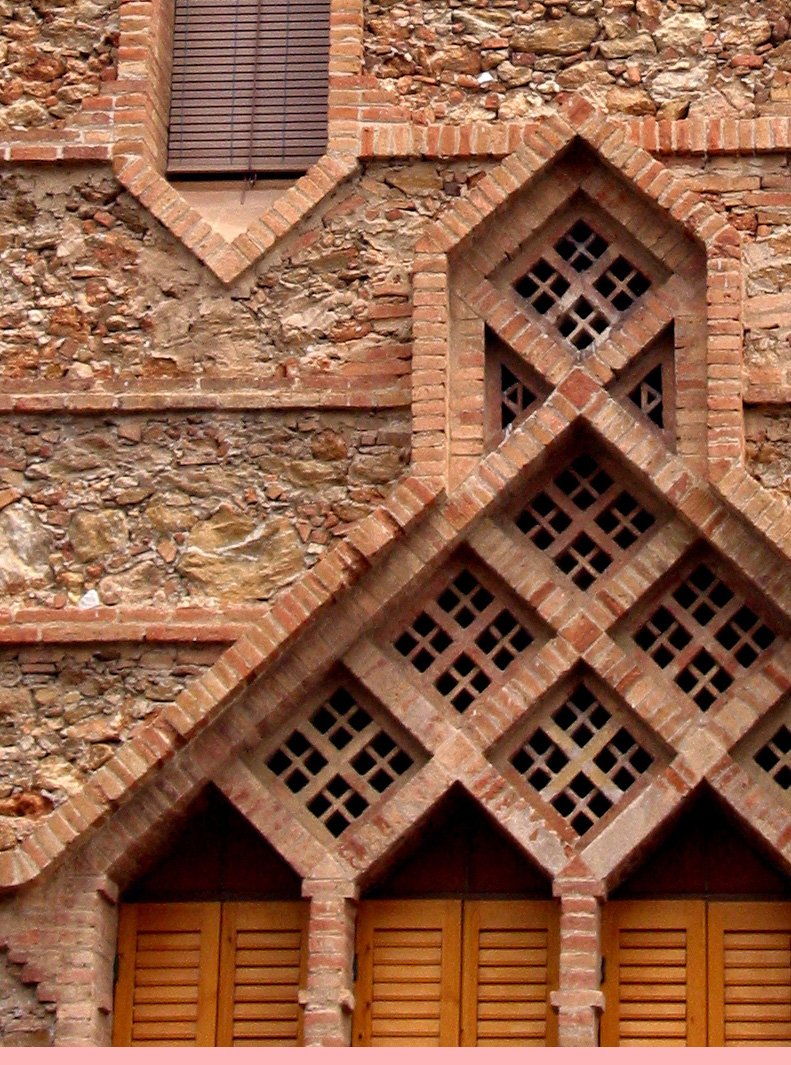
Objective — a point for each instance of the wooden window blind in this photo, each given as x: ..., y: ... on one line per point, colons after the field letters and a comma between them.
x: 452, y: 973
x: 697, y: 973
x: 249, y: 86
x: 210, y: 974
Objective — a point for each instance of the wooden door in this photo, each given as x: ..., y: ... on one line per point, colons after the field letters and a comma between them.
x: 697, y: 973
x: 509, y: 964
x: 452, y: 973
x: 262, y: 967
x: 166, y: 993
x: 655, y: 973
x: 210, y: 974
x: 749, y: 974
x: 409, y: 968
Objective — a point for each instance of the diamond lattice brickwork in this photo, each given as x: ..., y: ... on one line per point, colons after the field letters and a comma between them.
x: 341, y: 760
x: 582, y: 284
x: 466, y: 637
x: 704, y: 634
x: 582, y: 758
x: 584, y: 520
x: 774, y: 757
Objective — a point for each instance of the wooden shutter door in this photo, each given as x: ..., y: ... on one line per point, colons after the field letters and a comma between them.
x: 409, y: 964
x: 510, y: 958
x: 750, y: 974
x: 166, y: 993
x: 262, y: 967
x: 655, y: 984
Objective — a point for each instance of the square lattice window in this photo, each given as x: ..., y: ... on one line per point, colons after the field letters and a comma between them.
x: 582, y: 756
x: 341, y: 760
x: 584, y: 520
x: 703, y: 632
x: 582, y: 283
x: 466, y: 636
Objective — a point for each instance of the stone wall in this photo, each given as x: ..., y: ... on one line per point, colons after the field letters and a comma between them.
x: 768, y: 431
x: 53, y: 56
x: 66, y: 708
x: 183, y: 508
x: 24, y: 1021
x: 456, y: 61
x: 97, y: 290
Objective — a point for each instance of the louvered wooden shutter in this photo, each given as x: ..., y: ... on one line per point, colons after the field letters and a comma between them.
x: 409, y: 963
x: 750, y: 974
x: 166, y: 993
x: 262, y: 967
x: 655, y: 986
x: 249, y: 85
x: 510, y: 957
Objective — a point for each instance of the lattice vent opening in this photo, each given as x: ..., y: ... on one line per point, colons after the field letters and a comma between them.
x: 342, y: 759
x: 774, y: 757
x: 582, y: 756
x: 582, y: 284
x: 513, y: 390
x: 703, y: 632
x: 649, y: 386
x: 467, y: 635
x: 585, y: 520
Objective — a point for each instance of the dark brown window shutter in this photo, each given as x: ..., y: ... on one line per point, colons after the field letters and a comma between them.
x: 249, y: 85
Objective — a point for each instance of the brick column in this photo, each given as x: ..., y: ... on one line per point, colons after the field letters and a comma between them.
x: 328, y: 993
x: 579, y: 999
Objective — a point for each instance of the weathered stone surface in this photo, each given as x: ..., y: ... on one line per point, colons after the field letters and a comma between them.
x: 64, y: 710
x: 233, y: 556
x: 184, y: 508
x: 53, y: 55
x: 564, y: 36
x: 24, y: 549
x: 707, y: 56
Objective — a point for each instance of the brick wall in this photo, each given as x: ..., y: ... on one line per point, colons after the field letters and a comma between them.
x: 228, y: 468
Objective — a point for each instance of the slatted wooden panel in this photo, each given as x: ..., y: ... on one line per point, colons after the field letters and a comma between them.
x: 510, y: 957
x: 249, y: 85
x: 750, y: 974
x: 655, y: 985
x: 262, y: 967
x: 409, y: 963
x: 166, y: 993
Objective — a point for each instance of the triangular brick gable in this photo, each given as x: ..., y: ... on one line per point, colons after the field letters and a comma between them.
x: 328, y: 615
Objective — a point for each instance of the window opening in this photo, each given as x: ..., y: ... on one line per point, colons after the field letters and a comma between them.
x: 704, y: 633
x: 585, y: 520
x: 466, y: 637
x: 582, y: 756
x: 340, y: 761
x: 582, y: 284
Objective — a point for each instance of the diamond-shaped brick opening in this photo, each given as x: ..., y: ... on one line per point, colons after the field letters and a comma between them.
x: 466, y: 637
x: 774, y: 757
x: 584, y: 520
x: 582, y: 757
x: 341, y: 759
x: 582, y: 283
x: 704, y: 633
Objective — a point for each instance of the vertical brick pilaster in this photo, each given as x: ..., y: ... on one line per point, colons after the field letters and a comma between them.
x: 328, y: 995
x: 579, y: 999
